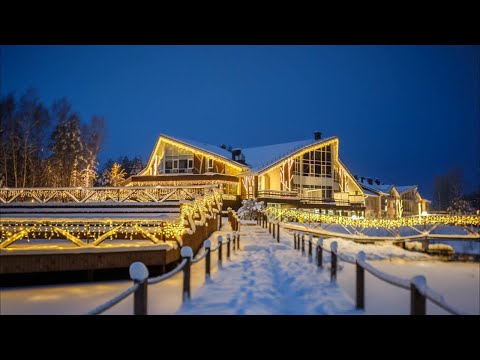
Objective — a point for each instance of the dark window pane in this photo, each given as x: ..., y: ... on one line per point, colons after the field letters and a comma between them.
x: 168, y: 164
x: 182, y: 164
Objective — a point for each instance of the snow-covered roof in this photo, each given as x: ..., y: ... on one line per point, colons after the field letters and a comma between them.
x: 367, y: 191
x: 257, y: 158
x: 261, y: 157
x: 376, y: 189
x: 216, y: 150
x: 404, y: 188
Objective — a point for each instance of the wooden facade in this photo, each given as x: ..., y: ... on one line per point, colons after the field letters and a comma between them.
x: 281, y: 182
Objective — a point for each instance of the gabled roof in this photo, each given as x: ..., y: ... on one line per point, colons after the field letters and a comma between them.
x: 370, y: 192
x: 404, y: 188
x: 207, y: 148
x: 256, y: 158
x: 375, y: 190
x: 262, y: 157
x: 217, y: 150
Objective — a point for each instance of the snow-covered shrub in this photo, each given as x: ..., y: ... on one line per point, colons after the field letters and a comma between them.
x: 249, y: 209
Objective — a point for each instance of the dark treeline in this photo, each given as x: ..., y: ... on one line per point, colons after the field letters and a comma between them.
x: 47, y: 145
x: 43, y: 146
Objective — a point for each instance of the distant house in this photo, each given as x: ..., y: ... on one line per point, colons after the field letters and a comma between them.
x: 302, y: 174
x: 391, y: 201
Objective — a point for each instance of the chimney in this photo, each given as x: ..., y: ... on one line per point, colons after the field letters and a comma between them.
x: 377, y: 181
x: 362, y: 179
x: 236, y: 154
x: 223, y: 146
x: 356, y: 177
x: 242, y: 159
x: 370, y: 181
x: 317, y: 135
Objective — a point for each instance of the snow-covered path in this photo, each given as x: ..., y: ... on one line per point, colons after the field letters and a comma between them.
x: 266, y: 277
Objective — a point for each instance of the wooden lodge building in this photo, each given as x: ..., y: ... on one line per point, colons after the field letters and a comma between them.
x: 305, y: 174
x: 391, y: 201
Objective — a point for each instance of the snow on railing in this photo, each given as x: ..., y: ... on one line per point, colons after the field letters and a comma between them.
x: 391, y: 279
x: 420, y: 292
x: 168, y: 275
x: 139, y: 273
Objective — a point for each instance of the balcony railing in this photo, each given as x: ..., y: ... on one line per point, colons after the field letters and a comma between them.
x: 278, y: 194
x: 341, y: 199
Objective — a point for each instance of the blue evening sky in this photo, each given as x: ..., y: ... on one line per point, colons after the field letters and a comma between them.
x: 403, y: 113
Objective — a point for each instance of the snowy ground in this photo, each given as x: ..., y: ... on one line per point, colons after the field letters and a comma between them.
x: 458, y: 282
x: 268, y: 278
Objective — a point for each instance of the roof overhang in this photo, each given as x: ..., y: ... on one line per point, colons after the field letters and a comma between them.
x: 298, y: 152
x: 195, y: 149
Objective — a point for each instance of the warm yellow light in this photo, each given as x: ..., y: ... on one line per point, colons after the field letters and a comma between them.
x: 305, y: 216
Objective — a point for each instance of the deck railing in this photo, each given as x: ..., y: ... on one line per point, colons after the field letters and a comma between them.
x: 101, y: 194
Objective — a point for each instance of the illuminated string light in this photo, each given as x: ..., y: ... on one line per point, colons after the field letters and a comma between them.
x: 78, y: 230
x: 309, y: 217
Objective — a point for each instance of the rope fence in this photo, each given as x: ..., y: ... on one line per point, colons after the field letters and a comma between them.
x: 419, y: 290
x: 139, y: 272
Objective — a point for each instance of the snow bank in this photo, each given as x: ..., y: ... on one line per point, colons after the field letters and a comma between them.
x: 380, y: 251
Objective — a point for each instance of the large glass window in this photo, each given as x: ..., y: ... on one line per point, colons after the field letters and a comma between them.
x: 176, y: 160
x: 316, y: 163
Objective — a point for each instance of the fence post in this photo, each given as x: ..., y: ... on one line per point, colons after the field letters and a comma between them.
x: 319, y: 252
x: 186, y: 253
x: 220, y: 215
x: 310, y: 237
x: 303, y: 243
x: 333, y: 267
x: 233, y: 241
x: 238, y: 240
x: 418, y: 302
x: 220, y: 241
x: 360, y: 293
x: 278, y: 231
x: 228, y: 246
x: 269, y: 227
x: 139, y: 274
x: 273, y: 232
x: 208, y: 246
